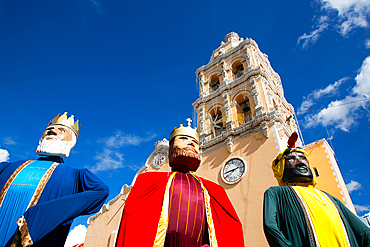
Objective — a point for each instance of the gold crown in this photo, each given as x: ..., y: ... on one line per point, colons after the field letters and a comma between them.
x: 69, y: 122
x: 185, y: 131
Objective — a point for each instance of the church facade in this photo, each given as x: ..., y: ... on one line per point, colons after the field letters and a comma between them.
x: 243, y: 121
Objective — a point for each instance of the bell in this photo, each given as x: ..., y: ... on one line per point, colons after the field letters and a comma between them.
x: 215, y: 87
x: 246, y: 108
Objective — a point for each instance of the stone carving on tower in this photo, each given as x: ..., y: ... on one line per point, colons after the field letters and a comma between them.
x: 160, y: 154
x: 239, y: 93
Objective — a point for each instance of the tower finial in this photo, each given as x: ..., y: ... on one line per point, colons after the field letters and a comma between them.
x: 185, y: 131
x: 189, y: 121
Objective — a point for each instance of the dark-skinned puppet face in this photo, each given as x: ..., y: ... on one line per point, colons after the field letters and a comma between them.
x: 292, y: 166
x: 296, y: 168
x: 184, y: 149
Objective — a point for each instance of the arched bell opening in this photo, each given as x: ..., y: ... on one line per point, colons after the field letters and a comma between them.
x: 238, y: 69
x: 214, y: 82
x: 215, y: 122
x: 243, y: 107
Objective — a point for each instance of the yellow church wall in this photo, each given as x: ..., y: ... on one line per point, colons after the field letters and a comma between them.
x: 102, y: 231
x: 247, y: 195
x: 330, y: 179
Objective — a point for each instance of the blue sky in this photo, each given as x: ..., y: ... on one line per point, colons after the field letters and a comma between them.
x: 126, y: 70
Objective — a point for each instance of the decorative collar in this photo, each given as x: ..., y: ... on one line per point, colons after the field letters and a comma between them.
x: 52, y: 158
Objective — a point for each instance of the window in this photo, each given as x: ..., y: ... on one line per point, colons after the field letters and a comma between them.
x: 238, y: 69
x: 215, y: 82
x: 215, y: 123
x: 243, y: 107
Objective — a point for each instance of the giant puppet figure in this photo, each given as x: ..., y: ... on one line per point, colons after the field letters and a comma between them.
x: 296, y: 214
x: 40, y: 198
x: 177, y: 208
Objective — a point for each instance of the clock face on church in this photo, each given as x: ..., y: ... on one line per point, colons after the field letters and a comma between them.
x: 233, y: 170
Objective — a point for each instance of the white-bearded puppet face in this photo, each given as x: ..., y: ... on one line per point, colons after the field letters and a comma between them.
x: 57, y: 140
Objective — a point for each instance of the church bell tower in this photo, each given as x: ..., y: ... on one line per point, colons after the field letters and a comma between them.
x: 244, y: 121
x: 240, y: 94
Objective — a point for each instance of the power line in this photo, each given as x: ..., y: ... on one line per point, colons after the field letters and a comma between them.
x: 329, y: 138
x: 139, y: 112
x: 319, y: 109
x: 114, y: 118
x: 178, y: 103
x: 327, y: 67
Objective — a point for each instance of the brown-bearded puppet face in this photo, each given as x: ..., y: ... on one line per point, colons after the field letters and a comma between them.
x: 184, y: 154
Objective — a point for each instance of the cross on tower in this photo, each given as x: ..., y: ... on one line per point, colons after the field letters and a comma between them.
x: 189, y: 121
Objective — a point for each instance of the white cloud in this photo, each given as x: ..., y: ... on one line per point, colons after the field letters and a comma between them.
x: 111, y: 157
x: 306, y: 104
x: 363, y: 218
x: 119, y: 139
x: 8, y: 141
x: 344, y: 16
x: 97, y: 6
x: 360, y: 209
x: 362, y: 88
x: 352, y: 14
x: 367, y: 43
x: 330, y: 90
x: 76, y: 236
x: 352, y: 20
x: 352, y: 186
x: 108, y: 160
x: 337, y: 114
x: 308, y: 39
x: 344, y: 6
x: 4, y: 155
x: 343, y: 113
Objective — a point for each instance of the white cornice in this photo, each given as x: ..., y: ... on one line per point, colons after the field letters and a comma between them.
x: 217, y: 59
x: 246, y: 77
x: 254, y: 125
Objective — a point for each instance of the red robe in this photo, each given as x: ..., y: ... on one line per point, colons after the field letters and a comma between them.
x: 143, y: 209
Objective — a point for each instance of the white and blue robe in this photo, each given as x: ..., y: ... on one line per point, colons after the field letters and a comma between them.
x: 46, y: 195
